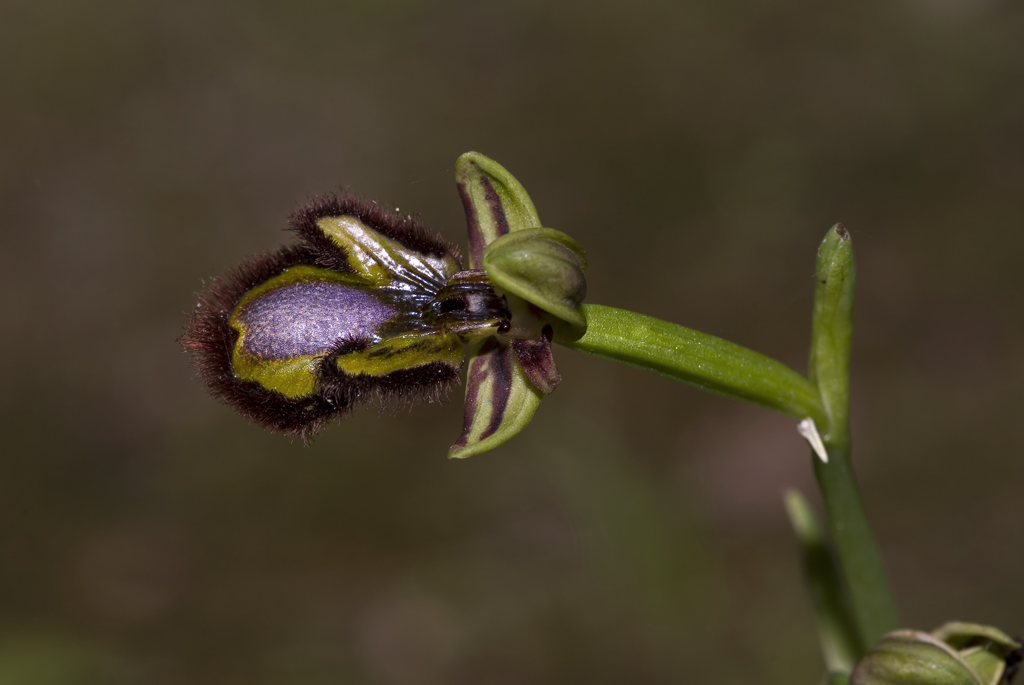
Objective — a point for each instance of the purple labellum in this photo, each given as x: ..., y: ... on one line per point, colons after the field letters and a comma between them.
x: 310, y: 318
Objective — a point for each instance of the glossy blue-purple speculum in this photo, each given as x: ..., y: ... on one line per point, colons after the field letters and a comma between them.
x: 310, y: 318
x: 366, y: 305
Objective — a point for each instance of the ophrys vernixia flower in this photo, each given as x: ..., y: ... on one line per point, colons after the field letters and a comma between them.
x: 369, y: 305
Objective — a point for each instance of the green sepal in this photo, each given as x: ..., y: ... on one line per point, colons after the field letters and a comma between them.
x: 500, y: 400
x: 987, y: 663
x: 959, y: 635
x: 495, y: 202
x: 546, y: 268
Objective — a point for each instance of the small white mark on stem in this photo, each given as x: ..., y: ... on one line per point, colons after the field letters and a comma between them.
x: 807, y: 429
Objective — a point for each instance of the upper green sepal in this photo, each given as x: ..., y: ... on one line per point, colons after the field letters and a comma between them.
x: 495, y: 202
x: 546, y: 268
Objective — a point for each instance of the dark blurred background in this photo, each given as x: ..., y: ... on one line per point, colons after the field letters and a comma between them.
x: 635, y: 532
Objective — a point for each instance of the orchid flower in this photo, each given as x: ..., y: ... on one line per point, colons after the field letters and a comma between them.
x: 369, y: 305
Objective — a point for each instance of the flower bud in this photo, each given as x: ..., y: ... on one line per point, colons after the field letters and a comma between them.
x: 994, y: 655
x: 955, y: 654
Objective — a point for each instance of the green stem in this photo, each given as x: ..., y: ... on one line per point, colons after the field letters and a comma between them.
x: 871, y: 599
x: 840, y: 641
x: 698, y: 359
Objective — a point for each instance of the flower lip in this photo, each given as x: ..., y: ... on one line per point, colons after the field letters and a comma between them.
x: 309, y: 317
x: 295, y: 337
x: 210, y: 340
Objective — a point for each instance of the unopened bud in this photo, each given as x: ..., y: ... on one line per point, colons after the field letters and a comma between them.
x: 955, y: 654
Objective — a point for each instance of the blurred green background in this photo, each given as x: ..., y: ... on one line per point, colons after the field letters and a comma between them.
x: 635, y: 532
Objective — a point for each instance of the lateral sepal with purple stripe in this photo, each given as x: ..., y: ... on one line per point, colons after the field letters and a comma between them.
x: 500, y: 400
x: 495, y: 202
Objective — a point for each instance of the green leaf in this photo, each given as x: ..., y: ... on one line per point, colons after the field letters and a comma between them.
x: 838, y: 635
x: 496, y: 203
x: 500, y: 400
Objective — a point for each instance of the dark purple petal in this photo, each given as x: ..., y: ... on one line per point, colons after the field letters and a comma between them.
x: 538, y: 362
